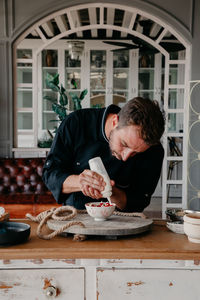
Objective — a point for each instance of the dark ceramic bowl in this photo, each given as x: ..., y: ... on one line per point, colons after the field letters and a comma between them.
x: 175, y: 214
x: 13, y: 233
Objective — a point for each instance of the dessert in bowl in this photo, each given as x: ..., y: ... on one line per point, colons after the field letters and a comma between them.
x: 100, y: 211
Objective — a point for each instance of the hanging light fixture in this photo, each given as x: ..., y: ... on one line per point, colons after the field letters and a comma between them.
x: 76, y: 49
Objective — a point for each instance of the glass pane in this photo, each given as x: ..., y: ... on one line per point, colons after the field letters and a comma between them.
x: 24, y: 98
x: 174, y: 169
x: 47, y: 105
x: 98, y: 59
x: 175, y: 146
x: 24, y: 53
x: 148, y: 95
x: 71, y: 63
x: 49, y: 58
x: 176, y: 98
x: 24, y: 75
x: 121, y: 59
x: 120, y: 79
x: 98, y: 80
x: 146, y: 60
x: 176, y: 74
x: 174, y: 193
x: 97, y: 100
x: 44, y: 76
x: 25, y: 120
x: 119, y: 98
x: 175, y: 122
x: 73, y: 79
x: 146, y: 79
x: 46, y: 118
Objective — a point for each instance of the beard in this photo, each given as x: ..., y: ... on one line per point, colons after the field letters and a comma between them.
x: 112, y: 148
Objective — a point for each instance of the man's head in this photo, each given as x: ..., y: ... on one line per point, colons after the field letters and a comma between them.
x: 139, y: 125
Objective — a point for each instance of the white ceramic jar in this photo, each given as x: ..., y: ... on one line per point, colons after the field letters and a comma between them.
x: 192, y: 227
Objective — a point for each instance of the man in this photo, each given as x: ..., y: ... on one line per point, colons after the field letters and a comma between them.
x: 128, y: 142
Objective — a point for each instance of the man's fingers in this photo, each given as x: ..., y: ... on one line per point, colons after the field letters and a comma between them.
x: 92, y: 179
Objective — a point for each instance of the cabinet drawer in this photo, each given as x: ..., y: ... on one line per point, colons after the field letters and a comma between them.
x: 147, y: 284
x: 36, y: 284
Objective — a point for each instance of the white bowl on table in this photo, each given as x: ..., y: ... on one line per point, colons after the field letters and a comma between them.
x: 99, y: 213
x: 192, y: 227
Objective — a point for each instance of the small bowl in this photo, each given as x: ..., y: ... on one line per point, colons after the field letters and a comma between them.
x: 175, y: 214
x: 192, y: 227
x: 99, y: 213
x: 176, y: 227
x: 13, y: 233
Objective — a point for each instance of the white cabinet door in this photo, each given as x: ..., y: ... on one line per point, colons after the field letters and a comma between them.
x: 147, y: 284
x: 31, y: 284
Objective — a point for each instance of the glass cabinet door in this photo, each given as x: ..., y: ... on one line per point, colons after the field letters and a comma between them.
x: 49, y: 66
x: 120, y: 77
x: 146, y: 76
x: 24, y: 97
x: 72, y: 77
x: 97, y: 78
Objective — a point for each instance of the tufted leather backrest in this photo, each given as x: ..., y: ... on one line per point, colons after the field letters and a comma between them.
x: 22, y: 175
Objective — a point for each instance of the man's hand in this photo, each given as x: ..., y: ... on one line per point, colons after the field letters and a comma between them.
x: 91, y: 184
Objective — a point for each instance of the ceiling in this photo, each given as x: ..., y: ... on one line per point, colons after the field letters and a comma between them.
x: 118, y: 18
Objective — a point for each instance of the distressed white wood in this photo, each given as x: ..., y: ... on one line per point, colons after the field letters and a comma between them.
x: 147, y: 284
x: 48, y: 28
x: 32, y: 284
x: 40, y: 33
x: 76, y: 22
x: 154, y: 29
x: 93, y: 19
x: 110, y: 20
x: 163, y: 33
x: 98, y: 278
x: 61, y: 23
x: 126, y: 22
x: 34, y: 33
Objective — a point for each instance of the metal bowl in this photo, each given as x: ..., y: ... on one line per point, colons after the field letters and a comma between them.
x: 13, y: 233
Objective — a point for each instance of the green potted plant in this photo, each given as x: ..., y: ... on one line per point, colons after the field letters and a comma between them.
x: 59, y: 106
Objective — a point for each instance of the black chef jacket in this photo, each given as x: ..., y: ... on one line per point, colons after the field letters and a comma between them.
x: 80, y: 137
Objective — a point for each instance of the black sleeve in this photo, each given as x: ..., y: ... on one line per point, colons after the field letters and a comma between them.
x: 58, y: 165
x: 145, y: 179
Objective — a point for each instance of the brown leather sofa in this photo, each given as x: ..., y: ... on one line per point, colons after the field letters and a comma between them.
x: 21, y: 187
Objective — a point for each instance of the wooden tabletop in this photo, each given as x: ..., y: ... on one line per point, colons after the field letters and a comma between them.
x: 158, y: 243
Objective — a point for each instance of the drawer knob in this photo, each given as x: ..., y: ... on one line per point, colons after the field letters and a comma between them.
x: 51, y: 291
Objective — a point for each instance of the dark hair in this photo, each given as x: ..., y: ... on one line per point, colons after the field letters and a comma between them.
x: 145, y: 113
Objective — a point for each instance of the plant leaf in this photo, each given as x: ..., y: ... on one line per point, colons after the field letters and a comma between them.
x: 61, y: 100
x: 59, y: 110
x: 49, y: 77
x: 65, y: 99
x: 62, y: 89
x: 53, y: 86
x: 83, y: 94
x: 73, y: 95
x: 56, y: 79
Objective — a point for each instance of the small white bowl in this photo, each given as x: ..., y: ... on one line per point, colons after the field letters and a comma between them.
x: 99, y: 213
x: 192, y: 227
x: 176, y: 227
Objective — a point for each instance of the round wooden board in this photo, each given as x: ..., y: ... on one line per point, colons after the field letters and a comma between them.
x: 114, y: 226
